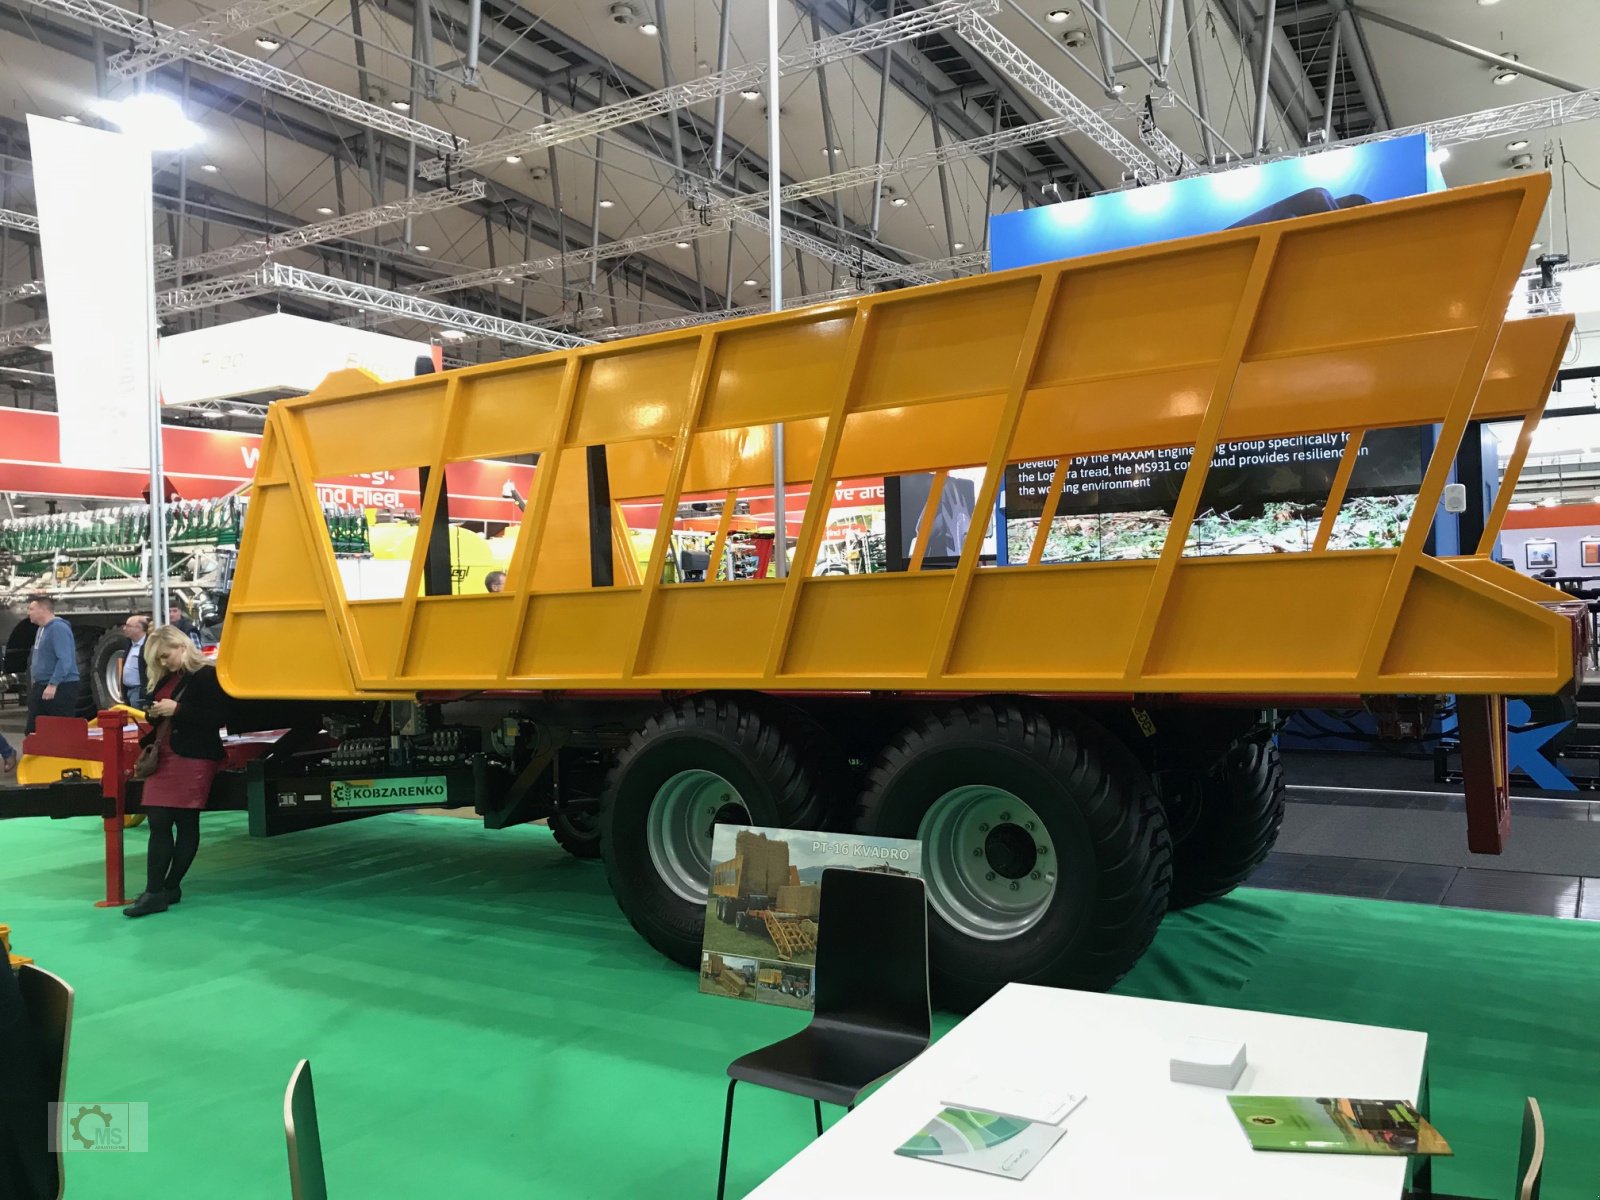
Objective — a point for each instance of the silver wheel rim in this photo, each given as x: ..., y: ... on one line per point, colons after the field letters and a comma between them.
x: 113, y: 677
x: 989, y: 864
x: 683, y: 814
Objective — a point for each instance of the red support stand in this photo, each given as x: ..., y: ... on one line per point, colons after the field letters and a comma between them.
x: 1485, y: 771
x: 114, y: 786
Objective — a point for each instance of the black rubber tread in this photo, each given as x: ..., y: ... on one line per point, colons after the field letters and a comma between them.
x: 1241, y: 811
x: 92, y: 681
x: 85, y: 640
x: 577, y: 834
x: 1101, y: 809
x: 747, y: 743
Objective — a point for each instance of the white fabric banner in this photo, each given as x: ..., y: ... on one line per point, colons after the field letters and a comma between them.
x: 92, y: 189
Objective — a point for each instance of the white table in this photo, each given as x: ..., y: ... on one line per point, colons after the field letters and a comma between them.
x: 1137, y: 1135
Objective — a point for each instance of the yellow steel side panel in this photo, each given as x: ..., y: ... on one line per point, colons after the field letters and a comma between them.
x: 801, y: 362
x: 378, y: 625
x: 269, y: 466
x: 1030, y: 623
x: 634, y: 392
x: 1431, y: 267
x: 1509, y: 579
x: 437, y: 649
x: 891, y: 441
x: 283, y: 654
x: 690, y: 617
x: 277, y: 567
x: 931, y: 345
x: 1357, y: 319
x: 1119, y: 320
x: 1308, y: 616
x: 346, y: 436
x: 577, y: 637
x: 1360, y: 387
x: 506, y: 411
x: 866, y: 627
x: 563, y: 560
x: 1160, y: 409
x: 1523, y: 369
x: 1453, y: 624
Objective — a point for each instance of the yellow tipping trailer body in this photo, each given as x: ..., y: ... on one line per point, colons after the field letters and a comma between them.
x: 1370, y: 318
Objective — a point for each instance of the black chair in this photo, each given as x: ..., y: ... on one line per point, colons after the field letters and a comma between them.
x: 35, y: 1035
x: 873, y: 1013
x: 1530, y: 1160
x: 306, y: 1181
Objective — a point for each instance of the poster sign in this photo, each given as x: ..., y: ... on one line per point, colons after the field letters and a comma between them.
x: 92, y: 189
x: 765, y: 900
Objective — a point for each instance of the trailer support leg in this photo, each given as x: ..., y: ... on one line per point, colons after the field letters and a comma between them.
x: 1485, y: 771
x: 114, y: 787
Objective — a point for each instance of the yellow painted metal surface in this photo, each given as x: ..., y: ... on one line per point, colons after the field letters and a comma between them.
x: 1370, y: 318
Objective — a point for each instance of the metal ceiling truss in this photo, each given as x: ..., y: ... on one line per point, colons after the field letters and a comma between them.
x: 206, y: 294
x: 198, y: 35
x: 859, y: 261
x: 26, y: 222
x: 114, y: 19
x: 254, y: 249
x: 688, y: 320
x: 913, y: 24
x: 281, y: 277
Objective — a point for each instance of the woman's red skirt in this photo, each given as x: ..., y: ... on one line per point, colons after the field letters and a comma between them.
x: 180, y: 782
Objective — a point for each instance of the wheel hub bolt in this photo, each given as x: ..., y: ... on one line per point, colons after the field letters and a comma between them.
x: 977, y: 852
x: 1015, y: 885
x: 1005, y: 816
x: 983, y: 827
x: 1028, y: 825
x: 1042, y: 849
x: 1035, y: 875
x: 989, y: 876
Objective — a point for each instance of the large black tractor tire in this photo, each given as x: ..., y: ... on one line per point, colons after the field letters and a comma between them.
x: 1240, y: 812
x: 1044, y: 847
x: 101, y: 682
x: 701, y: 762
x: 577, y: 832
x: 86, y: 640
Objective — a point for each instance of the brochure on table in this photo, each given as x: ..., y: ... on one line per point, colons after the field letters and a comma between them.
x: 1324, y: 1125
x: 981, y: 1141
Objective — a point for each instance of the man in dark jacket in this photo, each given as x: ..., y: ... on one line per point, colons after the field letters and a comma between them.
x: 135, y: 674
x: 53, y: 665
x: 176, y: 616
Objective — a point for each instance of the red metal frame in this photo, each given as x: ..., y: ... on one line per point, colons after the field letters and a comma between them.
x: 114, y: 760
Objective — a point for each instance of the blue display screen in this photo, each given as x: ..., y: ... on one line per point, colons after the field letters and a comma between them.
x: 1291, y: 187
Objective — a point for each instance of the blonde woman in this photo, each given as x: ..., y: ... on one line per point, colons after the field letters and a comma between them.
x: 187, y: 708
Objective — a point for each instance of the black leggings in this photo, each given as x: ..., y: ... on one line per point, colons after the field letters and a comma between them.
x: 166, y: 864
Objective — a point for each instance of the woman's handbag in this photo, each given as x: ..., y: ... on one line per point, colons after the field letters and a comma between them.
x: 149, y: 759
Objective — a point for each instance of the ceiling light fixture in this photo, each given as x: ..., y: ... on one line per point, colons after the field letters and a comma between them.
x: 1074, y: 38
x: 153, y: 118
x: 400, y: 105
x: 1505, y: 77
x: 899, y: 202
x: 683, y: 245
x: 209, y: 168
x: 1118, y: 88
x: 1519, y: 144
x: 269, y: 44
x: 421, y: 249
x: 1487, y: 3
x: 1057, y: 15
x: 70, y: 119
x: 959, y: 245
x: 648, y: 28
x: 750, y: 93
x: 513, y: 158
x: 607, y: 203
x: 1536, y: 246
x: 325, y: 211
x: 1521, y: 162
x: 749, y: 283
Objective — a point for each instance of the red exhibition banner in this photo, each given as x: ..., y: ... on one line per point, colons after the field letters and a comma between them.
x: 202, y: 464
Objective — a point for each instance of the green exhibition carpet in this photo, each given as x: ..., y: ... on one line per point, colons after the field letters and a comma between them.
x: 483, y: 1022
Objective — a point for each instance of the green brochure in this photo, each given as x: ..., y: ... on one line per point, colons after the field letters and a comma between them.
x: 1320, y: 1125
x: 983, y: 1141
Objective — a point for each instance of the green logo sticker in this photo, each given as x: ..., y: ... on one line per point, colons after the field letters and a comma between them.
x: 389, y: 793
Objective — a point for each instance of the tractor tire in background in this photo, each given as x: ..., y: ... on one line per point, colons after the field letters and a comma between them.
x: 101, y: 680
x: 577, y: 832
x: 1044, y: 848
x: 701, y: 762
x: 86, y: 639
x: 1240, y: 812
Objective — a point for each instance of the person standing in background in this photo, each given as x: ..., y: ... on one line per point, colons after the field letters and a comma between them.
x: 134, y: 671
x: 53, y: 665
x: 189, y: 709
x: 175, y: 616
x: 8, y: 756
x: 494, y: 581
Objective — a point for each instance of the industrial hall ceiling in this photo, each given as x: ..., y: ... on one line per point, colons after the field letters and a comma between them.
x: 507, y: 177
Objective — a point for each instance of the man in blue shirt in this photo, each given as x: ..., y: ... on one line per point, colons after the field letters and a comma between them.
x: 53, y: 666
x: 133, y: 664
